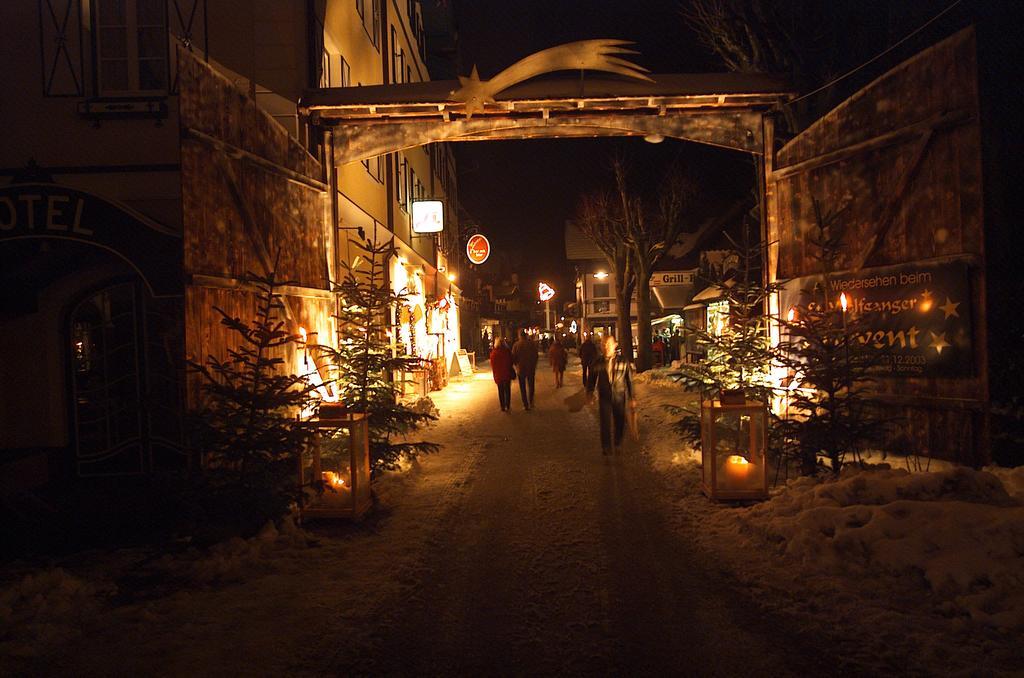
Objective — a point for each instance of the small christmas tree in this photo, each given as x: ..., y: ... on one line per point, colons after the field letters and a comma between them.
x: 245, y: 429
x: 365, y: 359
x: 830, y: 367
x: 737, y: 344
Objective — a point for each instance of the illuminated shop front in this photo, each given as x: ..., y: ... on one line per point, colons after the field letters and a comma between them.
x: 410, y: 321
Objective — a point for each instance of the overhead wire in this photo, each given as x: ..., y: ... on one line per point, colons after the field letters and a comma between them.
x: 877, y: 56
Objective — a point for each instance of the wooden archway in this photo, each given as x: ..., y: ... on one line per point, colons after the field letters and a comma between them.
x: 721, y: 109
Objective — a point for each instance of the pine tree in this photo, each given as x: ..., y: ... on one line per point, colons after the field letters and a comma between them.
x: 246, y: 430
x: 738, y: 349
x: 365, y: 359
x: 830, y: 413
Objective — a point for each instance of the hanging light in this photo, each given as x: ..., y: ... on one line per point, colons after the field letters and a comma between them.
x: 654, y: 138
x: 791, y: 316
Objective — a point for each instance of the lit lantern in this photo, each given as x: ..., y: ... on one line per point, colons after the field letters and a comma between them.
x: 343, y: 472
x: 734, y: 439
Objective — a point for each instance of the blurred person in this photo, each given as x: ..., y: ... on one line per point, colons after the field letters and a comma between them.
x: 587, y: 353
x: 558, y: 358
x: 501, y: 370
x: 524, y: 358
x: 611, y: 376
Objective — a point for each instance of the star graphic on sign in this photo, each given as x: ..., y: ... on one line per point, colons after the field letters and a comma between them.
x: 939, y: 342
x: 949, y: 308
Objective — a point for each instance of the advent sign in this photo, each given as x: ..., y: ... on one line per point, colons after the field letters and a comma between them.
x: 917, y: 315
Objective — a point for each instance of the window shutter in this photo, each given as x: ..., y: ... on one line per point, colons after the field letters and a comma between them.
x: 60, y: 29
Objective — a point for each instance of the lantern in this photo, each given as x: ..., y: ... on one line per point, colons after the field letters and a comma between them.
x: 343, y: 470
x: 734, y: 439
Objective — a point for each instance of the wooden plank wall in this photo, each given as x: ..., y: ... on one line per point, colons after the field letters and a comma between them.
x: 903, y: 156
x: 250, y: 197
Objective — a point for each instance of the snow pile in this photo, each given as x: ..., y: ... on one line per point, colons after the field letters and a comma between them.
x: 223, y: 563
x: 45, y: 608
x: 958, y: 530
x: 654, y: 374
x: 1011, y: 478
x: 424, y: 405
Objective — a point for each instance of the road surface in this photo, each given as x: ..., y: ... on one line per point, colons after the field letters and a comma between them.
x: 556, y: 560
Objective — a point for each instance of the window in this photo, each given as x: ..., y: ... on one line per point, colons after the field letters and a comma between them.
x: 375, y: 31
x: 602, y: 290
x: 375, y: 168
x: 394, y: 55
x: 131, y: 46
x: 344, y: 72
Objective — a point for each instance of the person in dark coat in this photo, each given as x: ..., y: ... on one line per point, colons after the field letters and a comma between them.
x: 587, y: 354
x: 611, y: 376
x: 501, y: 370
x: 524, y: 357
x: 558, y: 358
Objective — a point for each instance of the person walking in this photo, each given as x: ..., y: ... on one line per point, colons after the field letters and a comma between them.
x: 501, y: 370
x: 611, y: 376
x: 558, y: 358
x: 524, y: 357
x: 587, y: 353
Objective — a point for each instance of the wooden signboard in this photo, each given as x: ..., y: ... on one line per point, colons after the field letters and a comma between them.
x: 918, y: 315
x: 461, y: 364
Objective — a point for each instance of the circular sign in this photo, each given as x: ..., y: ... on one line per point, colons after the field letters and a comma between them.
x: 478, y: 248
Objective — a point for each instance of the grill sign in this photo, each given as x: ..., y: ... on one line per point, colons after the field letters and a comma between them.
x: 918, y: 315
x: 478, y: 248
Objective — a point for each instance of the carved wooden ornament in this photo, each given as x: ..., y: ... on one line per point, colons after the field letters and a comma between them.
x: 589, y: 55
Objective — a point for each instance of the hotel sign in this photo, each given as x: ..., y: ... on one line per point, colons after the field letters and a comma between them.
x: 917, y: 315
x: 60, y: 212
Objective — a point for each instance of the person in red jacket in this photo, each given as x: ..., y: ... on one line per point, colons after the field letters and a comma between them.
x: 558, y: 358
x: 501, y: 370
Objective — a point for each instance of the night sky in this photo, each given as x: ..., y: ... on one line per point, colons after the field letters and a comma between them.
x: 521, y: 192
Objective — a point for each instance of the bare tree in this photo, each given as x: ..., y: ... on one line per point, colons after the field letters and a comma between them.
x: 649, y: 227
x: 598, y: 216
x: 792, y: 38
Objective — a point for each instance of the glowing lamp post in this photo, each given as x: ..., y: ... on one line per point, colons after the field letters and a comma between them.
x: 734, y: 439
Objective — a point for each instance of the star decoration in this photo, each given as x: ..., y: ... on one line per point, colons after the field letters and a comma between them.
x: 939, y: 342
x: 949, y: 308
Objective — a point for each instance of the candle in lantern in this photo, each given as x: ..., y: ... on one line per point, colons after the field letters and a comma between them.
x: 737, y: 469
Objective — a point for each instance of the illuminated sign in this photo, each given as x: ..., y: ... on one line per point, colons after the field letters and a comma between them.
x: 545, y: 291
x: 573, y: 327
x: 427, y: 216
x: 478, y: 248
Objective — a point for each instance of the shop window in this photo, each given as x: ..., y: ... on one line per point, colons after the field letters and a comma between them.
x: 131, y: 46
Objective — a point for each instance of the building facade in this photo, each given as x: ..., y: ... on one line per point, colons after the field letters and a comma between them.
x: 153, y: 156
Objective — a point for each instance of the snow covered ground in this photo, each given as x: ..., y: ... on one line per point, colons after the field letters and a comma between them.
x: 518, y: 549
x: 924, y: 572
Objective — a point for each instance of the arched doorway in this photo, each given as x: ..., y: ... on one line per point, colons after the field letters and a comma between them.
x: 124, y: 385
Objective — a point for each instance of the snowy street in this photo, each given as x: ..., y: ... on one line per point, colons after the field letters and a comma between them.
x: 518, y: 549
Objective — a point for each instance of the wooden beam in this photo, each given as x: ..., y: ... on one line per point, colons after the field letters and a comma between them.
x: 738, y: 130
x: 897, y: 136
x: 229, y: 283
x: 237, y: 153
